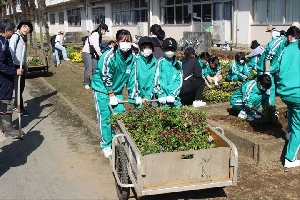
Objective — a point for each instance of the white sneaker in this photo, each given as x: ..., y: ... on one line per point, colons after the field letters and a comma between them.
x: 289, y: 164
x: 288, y: 136
x: 242, y: 114
x: 107, y: 152
x: 198, y: 103
x: 87, y: 87
x: 67, y: 59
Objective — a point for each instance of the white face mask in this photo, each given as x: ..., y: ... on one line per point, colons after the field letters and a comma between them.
x: 241, y: 61
x: 170, y: 54
x: 103, y: 33
x: 146, y: 52
x: 125, y: 46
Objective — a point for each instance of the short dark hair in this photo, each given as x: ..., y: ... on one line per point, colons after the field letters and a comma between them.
x: 157, y: 30
x: 239, y: 56
x: 205, y: 56
x: 265, y: 81
x: 215, y: 61
x: 111, y: 42
x: 7, y: 24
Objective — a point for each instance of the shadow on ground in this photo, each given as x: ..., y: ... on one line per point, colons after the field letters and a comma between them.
x: 16, y: 153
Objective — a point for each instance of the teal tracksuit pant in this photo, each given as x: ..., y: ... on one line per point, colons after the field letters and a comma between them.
x: 294, y: 124
x: 103, y: 116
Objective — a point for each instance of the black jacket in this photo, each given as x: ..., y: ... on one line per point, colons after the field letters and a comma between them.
x: 191, y: 70
x: 158, y: 52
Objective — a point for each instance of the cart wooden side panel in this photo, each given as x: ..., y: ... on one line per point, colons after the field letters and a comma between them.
x: 169, y: 169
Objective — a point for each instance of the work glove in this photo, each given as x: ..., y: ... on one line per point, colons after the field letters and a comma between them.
x: 216, y: 80
x: 259, y: 111
x: 268, y: 92
x: 267, y: 73
x: 162, y: 100
x: 170, y: 99
x: 138, y: 100
x: 113, y: 100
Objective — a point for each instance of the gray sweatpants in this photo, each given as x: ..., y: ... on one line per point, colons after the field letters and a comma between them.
x: 90, y: 65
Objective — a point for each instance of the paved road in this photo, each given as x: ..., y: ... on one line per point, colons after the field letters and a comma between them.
x: 58, y: 158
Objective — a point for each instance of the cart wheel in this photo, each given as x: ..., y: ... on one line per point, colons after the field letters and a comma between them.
x: 122, y: 173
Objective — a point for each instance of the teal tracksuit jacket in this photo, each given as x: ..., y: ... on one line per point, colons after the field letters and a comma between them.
x: 288, y: 88
x: 168, y: 79
x: 142, y: 80
x: 272, y: 53
x: 237, y: 72
x: 203, y: 67
x: 248, y: 94
x: 208, y: 71
x: 251, y: 65
x: 112, y: 73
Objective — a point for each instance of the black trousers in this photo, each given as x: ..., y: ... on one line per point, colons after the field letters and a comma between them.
x: 22, y: 86
x: 196, y: 88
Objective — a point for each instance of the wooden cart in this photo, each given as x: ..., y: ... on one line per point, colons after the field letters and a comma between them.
x: 171, y: 172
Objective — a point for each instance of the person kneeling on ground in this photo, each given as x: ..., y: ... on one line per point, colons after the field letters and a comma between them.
x: 248, y: 97
x: 193, y: 83
x: 238, y: 70
x: 212, y: 73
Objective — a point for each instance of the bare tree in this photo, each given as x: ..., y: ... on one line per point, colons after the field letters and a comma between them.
x: 3, y: 4
x: 25, y: 9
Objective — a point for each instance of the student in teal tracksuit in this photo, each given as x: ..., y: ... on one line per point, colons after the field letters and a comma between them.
x: 247, y: 98
x: 268, y: 64
x: 168, y: 77
x: 110, y: 76
x: 288, y: 88
x: 238, y: 71
x: 204, y: 64
x: 142, y: 82
x: 212, y: 73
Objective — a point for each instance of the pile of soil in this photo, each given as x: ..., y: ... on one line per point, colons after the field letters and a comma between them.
x: 267, y: 130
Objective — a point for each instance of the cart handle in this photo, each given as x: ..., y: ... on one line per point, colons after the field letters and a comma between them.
x: 126, y: 101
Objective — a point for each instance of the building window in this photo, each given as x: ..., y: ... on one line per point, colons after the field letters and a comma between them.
x: 98, y: 15
x: 222, y: 11
x: 270, y: 10
x: 61, y: 18
x: 292, y: 11
x: 129, y: 12
x: 74, y: 17
x: 52, y: 19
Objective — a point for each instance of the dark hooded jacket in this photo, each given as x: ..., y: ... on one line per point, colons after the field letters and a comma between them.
x: 158, y: 52
x: 191, y: 70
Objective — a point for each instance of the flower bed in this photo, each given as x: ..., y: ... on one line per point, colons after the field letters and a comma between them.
x: 156, y: 129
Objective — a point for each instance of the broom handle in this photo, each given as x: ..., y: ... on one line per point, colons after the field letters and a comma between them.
x: 19, y: 89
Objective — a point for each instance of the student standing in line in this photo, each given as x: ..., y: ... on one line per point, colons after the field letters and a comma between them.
x: 7, y: 76
x: 112, y: 73
x: 16, y: 45
x: 91, y: 52
x: 157, y: 36
x: 168, y: 78
x: 288, y: 88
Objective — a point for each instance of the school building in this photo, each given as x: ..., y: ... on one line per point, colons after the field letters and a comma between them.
x: 235, y: 21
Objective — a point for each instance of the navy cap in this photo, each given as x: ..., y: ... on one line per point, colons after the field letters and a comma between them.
x: 169, y: 43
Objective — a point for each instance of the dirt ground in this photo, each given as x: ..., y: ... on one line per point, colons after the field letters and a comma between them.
x: 255, y: 181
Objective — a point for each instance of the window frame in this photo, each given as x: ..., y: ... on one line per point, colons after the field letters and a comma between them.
x: 74, y: 17
x: 61, y: 18
x: 284, y: 20
x: 52, y: 18
x: 123, y: 14
x: 98, y: 12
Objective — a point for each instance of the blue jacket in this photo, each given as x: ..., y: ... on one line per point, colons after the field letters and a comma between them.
x: 7, y: 70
